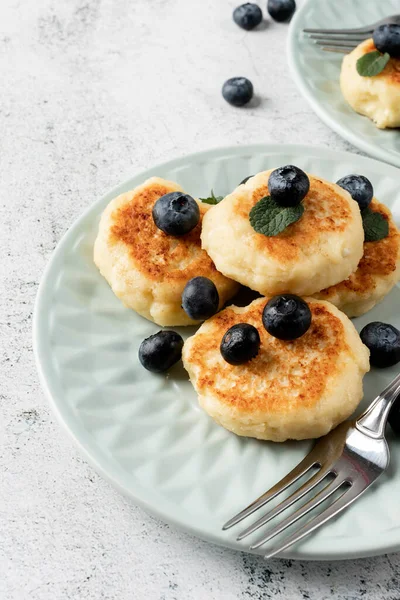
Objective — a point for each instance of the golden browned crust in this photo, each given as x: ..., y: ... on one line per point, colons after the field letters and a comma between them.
x: 157, y: 255
x: 379, y: 260
x: 302, y: 366
x: 326, y: 210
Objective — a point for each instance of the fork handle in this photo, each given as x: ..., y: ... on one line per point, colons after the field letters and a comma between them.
x: 373, y: 420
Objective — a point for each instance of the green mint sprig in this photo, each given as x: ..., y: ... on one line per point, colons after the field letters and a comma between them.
x: 375, y: 225
x: 372, y: 63
x: 212, y: 199
x: 269, y: 218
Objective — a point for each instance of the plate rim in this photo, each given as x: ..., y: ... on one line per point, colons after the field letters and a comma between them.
x: 358, y: 141
x: 87, y: 450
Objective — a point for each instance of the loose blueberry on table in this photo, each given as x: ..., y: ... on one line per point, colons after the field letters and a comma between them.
x: 237, y: 91
x: 359, y: 187
x: 160, y: 351
x: 240, y: 344
x: 288, y: 185
x: 200, y: 298
x: 281, y: 10
x: 383, y: 342
x: 247, y: 16
x: 286, y: 317
x: 176, y: 213
x: 387, y: 39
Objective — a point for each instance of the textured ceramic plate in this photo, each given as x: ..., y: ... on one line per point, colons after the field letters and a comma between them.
x: 317, y: 72
x: 144, y: 432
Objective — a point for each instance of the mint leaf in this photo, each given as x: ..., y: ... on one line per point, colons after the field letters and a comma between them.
x: 375, y: 225
x: 268, y: 218
x: 212, y: 199
x: 372, y: 63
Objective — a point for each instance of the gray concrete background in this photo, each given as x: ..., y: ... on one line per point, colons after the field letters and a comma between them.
x: 93, y: 91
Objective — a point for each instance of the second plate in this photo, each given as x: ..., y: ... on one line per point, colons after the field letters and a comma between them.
x: 316, y: 72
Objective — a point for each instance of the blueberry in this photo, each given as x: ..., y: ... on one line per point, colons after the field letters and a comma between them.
x: 176, y: 213
x: 200, y: 298
x: 387, y: 39
x: 245, y: 180
x: 383, y: 342
x: 359, y: 187
x: 160, y: 351
x: 281, y: 10
x: 286, y: 317
x: 240, y: 344
x: 288, y: 185
x: 394, y: 416
x: 238, y: 91
x: 247, y: 16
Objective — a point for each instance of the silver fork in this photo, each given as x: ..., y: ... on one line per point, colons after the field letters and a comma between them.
x: 347, y: 461
x: 345, y: 40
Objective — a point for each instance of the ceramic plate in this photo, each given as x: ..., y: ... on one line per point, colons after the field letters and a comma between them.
x: 316, y: 72
x: 145, y: 433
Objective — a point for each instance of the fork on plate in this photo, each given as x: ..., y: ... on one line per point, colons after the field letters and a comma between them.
x: 346, y: 462
x: 345, y: 40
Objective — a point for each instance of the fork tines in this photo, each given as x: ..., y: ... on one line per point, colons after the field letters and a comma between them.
x: 331, y: 486
x: 340, y: 468
x: 367, y: 32
x: 337, y: 40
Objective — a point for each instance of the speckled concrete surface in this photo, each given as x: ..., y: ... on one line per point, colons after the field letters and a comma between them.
x: 94, y: 90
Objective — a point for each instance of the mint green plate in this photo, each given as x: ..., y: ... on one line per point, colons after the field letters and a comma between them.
x: 316, y: 72
x: 145, y: 433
